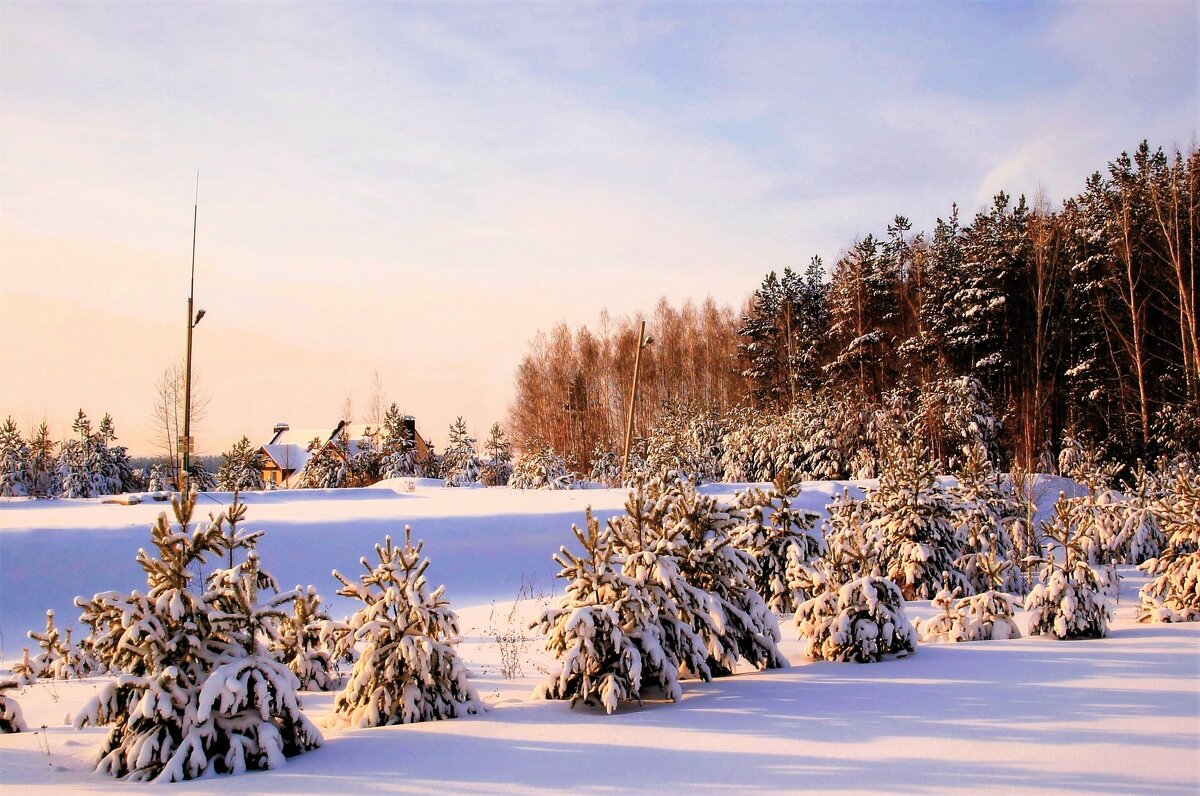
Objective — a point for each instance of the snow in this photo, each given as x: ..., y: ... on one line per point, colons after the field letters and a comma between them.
x: 1117, y: 715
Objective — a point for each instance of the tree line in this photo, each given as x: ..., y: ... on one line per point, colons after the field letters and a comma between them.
x: 1077, y: 320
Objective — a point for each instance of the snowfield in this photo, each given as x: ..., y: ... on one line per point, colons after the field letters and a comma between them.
x: 1115, y: 715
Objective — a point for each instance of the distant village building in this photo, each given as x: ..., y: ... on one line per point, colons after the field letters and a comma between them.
x: 284, y: 456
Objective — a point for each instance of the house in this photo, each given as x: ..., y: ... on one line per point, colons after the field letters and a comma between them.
x: 289, y: 449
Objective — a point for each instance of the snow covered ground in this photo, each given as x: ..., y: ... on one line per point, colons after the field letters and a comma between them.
x: 1116, y: 715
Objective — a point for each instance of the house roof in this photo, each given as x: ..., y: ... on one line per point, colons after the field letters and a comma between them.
x: 288, y: 456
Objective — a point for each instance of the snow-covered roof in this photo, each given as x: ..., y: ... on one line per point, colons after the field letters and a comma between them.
x: 288, y: 456
x: 302, y: 436
x: 305, y: 436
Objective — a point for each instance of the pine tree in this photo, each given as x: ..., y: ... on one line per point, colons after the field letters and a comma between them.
x: 241, y: 469
x: 652, y: 559
x: 75, y: 465
x: 397, y: 449
x: 781, y: 541
x: 197, y: 694
x: 113, y: 460
x: 498, y: 466
x: 460, y: 463
x: 409, y: 670
x: 16, y: 475
x: 862, y: 620
x: 980, y: 617
x: 23, y: 670
x: 912, y: 520
x: 43, y: 464
x: 604, y: 632
x: 58, y: 659
x: 364, y: 461
x: 540, y: 468
x: 606, y: 467
x: 1070, y: 601
x: 747, y: 630
x: 984, y: 510
x: 304, y: 642
x: 1174, y: 594
x: 156, y: 482
x: 325, y: 469
x: 11, y: 719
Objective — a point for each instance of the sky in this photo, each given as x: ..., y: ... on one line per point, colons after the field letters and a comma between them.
x: 415, y: 190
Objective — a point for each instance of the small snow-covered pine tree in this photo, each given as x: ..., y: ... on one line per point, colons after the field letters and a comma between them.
x: 498, y: 466
x: 984, y: 511
x: 57, y: 660
x: 606, y: 467
x: 197, y: 693
x: 325, y: 468
x: 460, y: 463
x: 409, y: 670
x: 1071, y: 600
x: 747, y: 628
x: 949, y: 623
x: 11, y: 719
x: 75, y: 462
x: 781, y: 540
x: 862, y: 620
x: 303, y: 642
x: 689, y: 622
x: 540, y: 468
x: 1174, y: 593
x: 16, y: 474
x: 241, y: 469
x: 912, y: 519
x: 23, y: 670
x: 397, y: 452
x: 603, y: 633
x: 43, y: 464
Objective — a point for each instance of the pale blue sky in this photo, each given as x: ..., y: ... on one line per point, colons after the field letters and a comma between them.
x: 419, y: 188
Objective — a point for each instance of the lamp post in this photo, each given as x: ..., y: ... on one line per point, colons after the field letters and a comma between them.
x: 643, y: 341
x: 185, y: 443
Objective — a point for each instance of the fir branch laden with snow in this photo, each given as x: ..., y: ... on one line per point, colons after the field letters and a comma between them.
x: 408, y: 670
x: 11, y: 719
x: 862, y: 621
x: 197, y: 693
x: 604, y: 633
x: 1071, y: 601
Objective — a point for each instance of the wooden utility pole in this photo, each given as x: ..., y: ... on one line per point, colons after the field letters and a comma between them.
x: 185, y: 444
x: 637, y: 364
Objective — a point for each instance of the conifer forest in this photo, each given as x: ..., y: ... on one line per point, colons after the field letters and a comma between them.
x: 1077, y: 319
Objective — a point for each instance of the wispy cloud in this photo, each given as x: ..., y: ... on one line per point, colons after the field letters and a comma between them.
x: 422, y: 187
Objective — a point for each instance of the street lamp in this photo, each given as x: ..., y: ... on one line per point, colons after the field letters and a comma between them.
x: 643, y: 341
